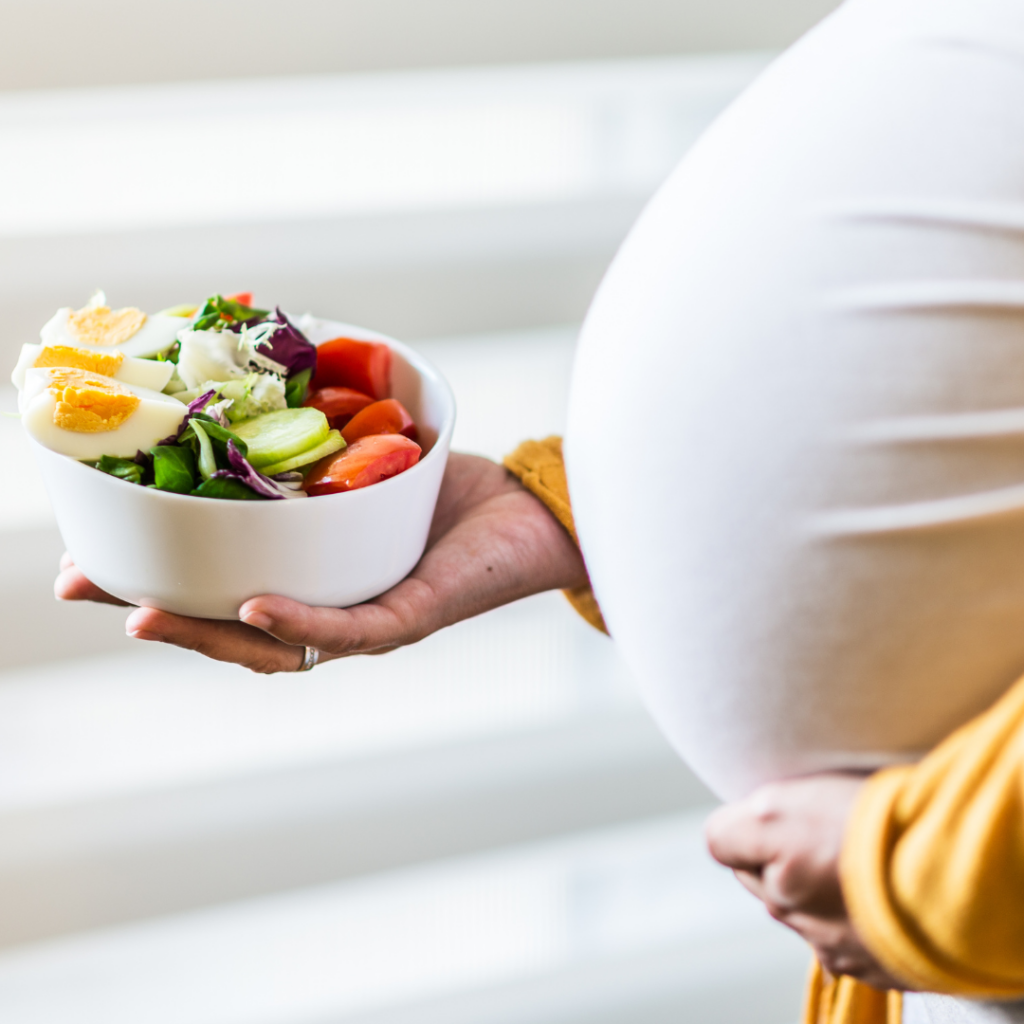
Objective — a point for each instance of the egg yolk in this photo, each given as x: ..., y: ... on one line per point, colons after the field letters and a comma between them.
x: 89, y: 403
x: 101, y: 325
x: 105, y: 363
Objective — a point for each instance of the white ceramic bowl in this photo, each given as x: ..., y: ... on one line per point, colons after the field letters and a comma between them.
x: 206, y: 557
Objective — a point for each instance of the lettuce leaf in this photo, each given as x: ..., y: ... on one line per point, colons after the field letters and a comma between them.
x: 209, y: 442
x: 219, y: 313
x: 124, y: 469
x: 195, y: 406
x: 296, y: 388
x: 174, y: 468
x: 226, y: 486
x: 206, y: 460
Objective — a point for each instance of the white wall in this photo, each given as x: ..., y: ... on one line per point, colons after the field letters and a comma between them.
x: 47, y: 43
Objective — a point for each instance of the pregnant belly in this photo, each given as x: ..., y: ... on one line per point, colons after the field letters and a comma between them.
x: 796, y: 437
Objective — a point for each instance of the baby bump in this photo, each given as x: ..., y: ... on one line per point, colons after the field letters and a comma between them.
x: 796, y: 442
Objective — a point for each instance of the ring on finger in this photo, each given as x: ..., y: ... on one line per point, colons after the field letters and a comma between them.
x: 312, y: 656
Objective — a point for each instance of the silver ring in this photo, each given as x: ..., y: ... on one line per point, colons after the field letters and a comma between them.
x: 310, y: 660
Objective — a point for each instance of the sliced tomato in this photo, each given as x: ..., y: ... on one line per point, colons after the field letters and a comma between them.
x: 367, y: 461
x: 339, y: 405
x: 387, y: 417
x: 242, y: 298
x: 362, y: 365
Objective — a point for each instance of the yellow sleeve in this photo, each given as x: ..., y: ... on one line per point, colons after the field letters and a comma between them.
x: 541, y: 470
x: 933, y: 862
x: 845, y: 1001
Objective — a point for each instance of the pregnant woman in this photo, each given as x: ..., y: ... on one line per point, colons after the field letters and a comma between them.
x: 796, y: 461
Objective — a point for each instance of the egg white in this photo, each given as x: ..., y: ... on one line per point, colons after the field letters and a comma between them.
x: 156, y: 335
x: 156, y: 417
x: 146, y: 373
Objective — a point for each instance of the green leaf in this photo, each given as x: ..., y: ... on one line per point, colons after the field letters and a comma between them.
x: 188, y: 439
x: 124, y: 469
x: 174, y: 468
x: 171, y: 355
x: 218, y: 312
x: 295, y: 388
x: 206, y: 460
x: 211, y: 448
x: 226, y: 487
x: 219, y: 437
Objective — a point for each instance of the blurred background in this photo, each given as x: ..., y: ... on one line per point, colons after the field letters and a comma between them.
x: 486, y: 827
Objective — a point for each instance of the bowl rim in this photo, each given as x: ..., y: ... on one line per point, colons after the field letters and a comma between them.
x: 423, y: 366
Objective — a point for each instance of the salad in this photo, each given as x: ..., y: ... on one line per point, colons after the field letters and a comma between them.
x: 222, y: 400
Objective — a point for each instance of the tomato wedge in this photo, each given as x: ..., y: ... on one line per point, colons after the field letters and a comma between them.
x: 362, y: 365
x: 242, y: 298
x: 368, y: 461
x: 339, y: 405
x: 387, y: 417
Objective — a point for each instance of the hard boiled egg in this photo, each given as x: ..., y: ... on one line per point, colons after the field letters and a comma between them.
x: 88, y: 415
x: 146, y: 373
x: 127, y: 330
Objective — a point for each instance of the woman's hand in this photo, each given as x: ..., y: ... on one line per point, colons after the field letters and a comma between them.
x: 783, y: 842
x: 491, y: 542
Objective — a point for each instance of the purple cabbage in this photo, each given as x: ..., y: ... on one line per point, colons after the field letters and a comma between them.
x: 200, y: 403
x: 289, y: 346
x: 196, y: 405
x: 145, y: 460
x: 285, y: 485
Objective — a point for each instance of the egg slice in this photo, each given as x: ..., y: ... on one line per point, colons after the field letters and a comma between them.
x: 128, y: 330
x: 88, y: 415
x: 146, y: 373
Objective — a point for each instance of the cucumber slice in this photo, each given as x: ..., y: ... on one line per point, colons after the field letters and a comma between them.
x: 334, y: 443
x: 282, y: 434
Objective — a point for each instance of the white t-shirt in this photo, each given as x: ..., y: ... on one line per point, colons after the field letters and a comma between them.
x: 796, y: 435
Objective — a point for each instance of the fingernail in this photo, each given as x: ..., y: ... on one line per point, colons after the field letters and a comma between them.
x: 145, y: 634
x: 258, y: 619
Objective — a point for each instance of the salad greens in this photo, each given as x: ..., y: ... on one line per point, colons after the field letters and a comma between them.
x: 243, y: 373
x: 127, y: 469
x: 226, y: 487
x: 174, y: 469
x: 206, y: 460
x: 218, y: 314
x: 296, y: 388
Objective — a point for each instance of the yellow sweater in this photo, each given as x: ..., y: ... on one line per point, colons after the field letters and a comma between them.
x: 933, y: 861
x: 541, y: 470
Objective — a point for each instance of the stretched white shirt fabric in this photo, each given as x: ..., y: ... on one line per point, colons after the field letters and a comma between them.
x: 796, y: 434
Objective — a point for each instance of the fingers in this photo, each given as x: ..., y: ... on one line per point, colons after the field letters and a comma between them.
x: 223, y: 641
x: 274, y: 630
x: 789, y: 832
x: 784, y: 842
x: 273, y: 634
x: 396, y: 618
x: 739, y: 835
x: 71, y: 585
x: 841, y: 951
